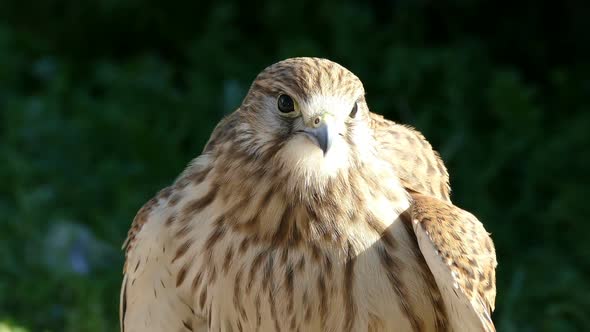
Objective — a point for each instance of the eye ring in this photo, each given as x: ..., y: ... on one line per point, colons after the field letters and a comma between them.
x: 354, y: 110
x: 285, y: 104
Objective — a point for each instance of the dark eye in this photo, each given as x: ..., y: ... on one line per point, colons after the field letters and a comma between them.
x: 355, y: 109
x: 285, y: 104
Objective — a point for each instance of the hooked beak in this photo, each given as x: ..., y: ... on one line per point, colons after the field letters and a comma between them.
x: 321, y: 135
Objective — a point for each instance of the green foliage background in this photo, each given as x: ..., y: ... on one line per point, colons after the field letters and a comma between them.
x: 103, y: 102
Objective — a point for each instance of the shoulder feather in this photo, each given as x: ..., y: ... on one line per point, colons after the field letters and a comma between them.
x: 418, y: 166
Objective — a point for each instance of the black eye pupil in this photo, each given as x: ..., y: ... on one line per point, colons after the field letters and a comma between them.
x: 285, y: 104
x: 355, y: 108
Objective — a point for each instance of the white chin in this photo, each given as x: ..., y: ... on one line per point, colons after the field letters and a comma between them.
x: 303, y: 156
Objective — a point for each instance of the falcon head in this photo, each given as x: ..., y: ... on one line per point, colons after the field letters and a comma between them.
x: 310, y: 112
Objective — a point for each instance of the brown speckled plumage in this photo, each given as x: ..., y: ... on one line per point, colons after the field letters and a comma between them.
x: 265, y: 231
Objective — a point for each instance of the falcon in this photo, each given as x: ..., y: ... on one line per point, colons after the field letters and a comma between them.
x: 307, y: 212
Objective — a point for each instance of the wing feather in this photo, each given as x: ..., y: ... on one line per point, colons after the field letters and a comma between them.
x: 462, y: 258
x: 149, y: 299
x: 455, y: 245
